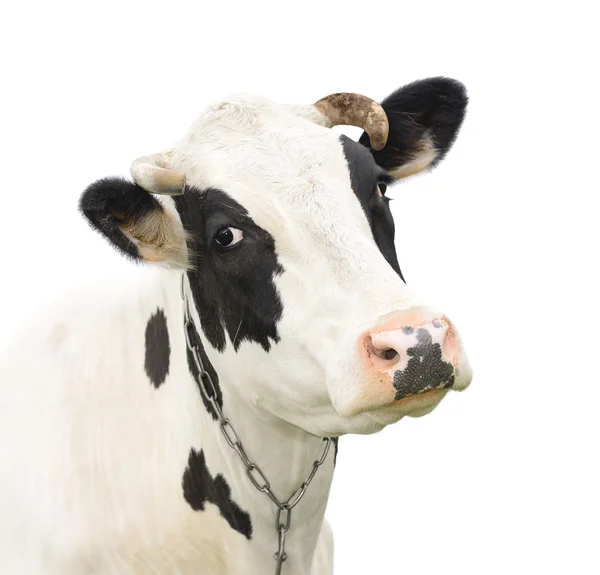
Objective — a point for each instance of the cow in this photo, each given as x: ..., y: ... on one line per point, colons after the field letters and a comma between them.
x: 186, y: 421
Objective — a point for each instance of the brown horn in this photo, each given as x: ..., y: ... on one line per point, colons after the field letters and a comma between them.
x: 357, y: 110
x: 154, y: 174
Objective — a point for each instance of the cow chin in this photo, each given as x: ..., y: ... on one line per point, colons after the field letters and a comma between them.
x: 371, y: 419
x: 415, y: 405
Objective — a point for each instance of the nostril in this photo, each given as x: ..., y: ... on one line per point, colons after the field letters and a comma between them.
x: 390, y: 354
x: 382, y: 350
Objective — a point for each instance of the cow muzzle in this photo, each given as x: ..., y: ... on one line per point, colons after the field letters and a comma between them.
x: 410, y: 357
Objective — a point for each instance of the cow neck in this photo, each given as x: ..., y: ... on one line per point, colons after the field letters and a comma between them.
x: 275, y: 464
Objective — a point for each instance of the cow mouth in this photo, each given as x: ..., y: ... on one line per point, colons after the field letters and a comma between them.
x: 418, y: 399
x: 415, y: 405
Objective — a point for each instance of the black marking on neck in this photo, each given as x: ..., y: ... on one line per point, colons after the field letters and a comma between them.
x: 200, y: 487
x: 364, y: 176
x: 426, y: 370
x: 197, y: 342
x: 335, y: 441
x: 158, y: 348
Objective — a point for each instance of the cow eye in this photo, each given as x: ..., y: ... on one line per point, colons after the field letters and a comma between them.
x: 228, y: 237
x: 381, y: 188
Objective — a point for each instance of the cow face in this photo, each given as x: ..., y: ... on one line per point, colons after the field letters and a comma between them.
x: 287, y: 240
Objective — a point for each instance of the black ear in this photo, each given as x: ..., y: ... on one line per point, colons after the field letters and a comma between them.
x: 424, y: 119
x: 134, y: 221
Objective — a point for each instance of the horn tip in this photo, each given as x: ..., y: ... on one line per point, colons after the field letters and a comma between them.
x: 378, y: 144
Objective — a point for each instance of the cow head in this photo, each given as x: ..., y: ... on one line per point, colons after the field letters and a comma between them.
x: 285, y: 233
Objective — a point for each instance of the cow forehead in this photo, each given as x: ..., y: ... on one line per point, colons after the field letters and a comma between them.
x: 270, y: 158
x: 251, y: 115
x: 248, y: 135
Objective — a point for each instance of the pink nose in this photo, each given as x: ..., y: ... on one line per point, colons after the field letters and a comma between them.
x: 417, y: 349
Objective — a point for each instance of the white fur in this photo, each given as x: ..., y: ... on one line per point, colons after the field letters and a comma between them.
x: 93, y: 455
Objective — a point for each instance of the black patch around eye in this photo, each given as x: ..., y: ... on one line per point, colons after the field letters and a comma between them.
x: 425, y: 370
x: 364, y: 176
x: 234, y: 291
x: 200, y: 487
x: 158, y: 348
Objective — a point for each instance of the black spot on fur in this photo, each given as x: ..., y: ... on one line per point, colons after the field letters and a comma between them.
x: 427, y: 109
x: 196, y: 341
x: 158, y: 348
x: 364, y: 176
x: 426, y: 369
x: 233, y: 288
x: 111, y: 203
x: 199, y: 487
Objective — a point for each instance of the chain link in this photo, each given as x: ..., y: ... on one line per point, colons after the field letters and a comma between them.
x: 281, y: 555
x: 253, y: 471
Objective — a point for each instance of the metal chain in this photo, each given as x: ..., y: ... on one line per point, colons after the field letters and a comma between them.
x: 253, y: 471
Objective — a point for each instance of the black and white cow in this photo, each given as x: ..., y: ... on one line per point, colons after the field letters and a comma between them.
x: 112, y: 459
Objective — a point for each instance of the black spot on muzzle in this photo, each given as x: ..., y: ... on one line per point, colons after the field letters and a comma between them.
x: 426, y: 370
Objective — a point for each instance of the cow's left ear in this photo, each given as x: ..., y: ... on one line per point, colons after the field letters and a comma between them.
x: 134, y: 221
x: 424, y: 119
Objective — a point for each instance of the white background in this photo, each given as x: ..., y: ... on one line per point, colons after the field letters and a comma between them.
x: 502, y: 478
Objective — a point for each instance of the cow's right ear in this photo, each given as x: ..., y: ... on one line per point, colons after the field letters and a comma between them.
x: 135, y: 221
x: 424, y: 119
